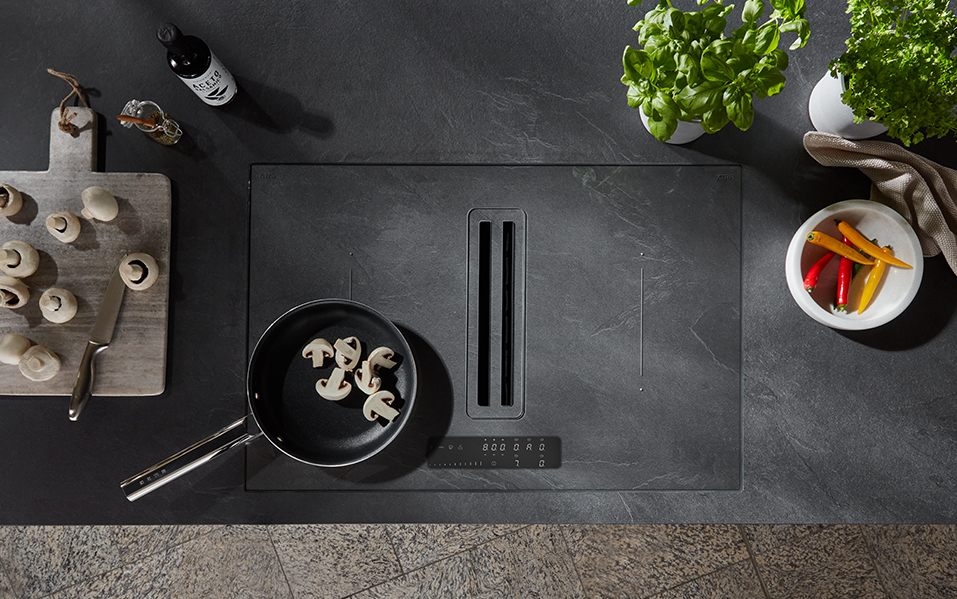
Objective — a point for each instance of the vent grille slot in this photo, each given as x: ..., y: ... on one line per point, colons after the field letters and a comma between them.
x: 496, y: 314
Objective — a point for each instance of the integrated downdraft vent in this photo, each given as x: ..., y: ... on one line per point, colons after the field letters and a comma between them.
x: 496, y: 313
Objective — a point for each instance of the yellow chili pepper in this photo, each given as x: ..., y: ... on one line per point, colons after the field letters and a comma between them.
x: 873, y: 278
x: 828, y: 242
x: 855, y: 237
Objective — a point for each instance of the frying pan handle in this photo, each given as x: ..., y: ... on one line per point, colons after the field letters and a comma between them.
x: 187, y: 460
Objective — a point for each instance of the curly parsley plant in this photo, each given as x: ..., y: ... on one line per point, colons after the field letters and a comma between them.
x: 899, y: 68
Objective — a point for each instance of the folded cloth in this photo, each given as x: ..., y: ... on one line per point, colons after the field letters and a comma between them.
x: 923, y: 192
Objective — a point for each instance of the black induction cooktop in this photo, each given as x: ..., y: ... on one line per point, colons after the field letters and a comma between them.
x: 573, y: 327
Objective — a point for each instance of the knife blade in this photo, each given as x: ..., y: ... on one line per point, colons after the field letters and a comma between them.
x: 100, y: 339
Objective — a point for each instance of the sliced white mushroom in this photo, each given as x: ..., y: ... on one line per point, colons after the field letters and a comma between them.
x: 335, y: 387
x: 381, y: 357
x: 347, y: 352
x: 139, y: 271
x: 99, y: 204
x: 13, y: 293
x: 366, y: 380
x: 65, y: 226
x: 318, y: 350
x: 378, y: 406
x: 18, y: 259
x: 58, y: 305
x: 39, y: 363
x: 10, y: 200
x: 12, y: 347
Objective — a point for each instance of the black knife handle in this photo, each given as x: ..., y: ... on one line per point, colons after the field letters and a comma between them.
x: 83, y: 387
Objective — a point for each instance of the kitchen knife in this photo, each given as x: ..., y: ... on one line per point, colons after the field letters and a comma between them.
x: 99, y: 340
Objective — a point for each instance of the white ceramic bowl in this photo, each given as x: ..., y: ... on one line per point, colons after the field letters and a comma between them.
x: 898, y: 285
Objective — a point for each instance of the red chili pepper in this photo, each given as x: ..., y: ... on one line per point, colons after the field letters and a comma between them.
x: 845, y: 270
x: 814, y: 273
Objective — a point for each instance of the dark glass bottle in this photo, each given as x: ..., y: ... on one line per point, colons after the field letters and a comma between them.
x: 196, y: 66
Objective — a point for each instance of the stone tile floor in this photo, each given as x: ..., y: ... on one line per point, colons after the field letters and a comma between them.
x: 481, y: 561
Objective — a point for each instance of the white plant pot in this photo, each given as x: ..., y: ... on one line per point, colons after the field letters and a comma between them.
x: 685, y: 132
x: 829, y: 114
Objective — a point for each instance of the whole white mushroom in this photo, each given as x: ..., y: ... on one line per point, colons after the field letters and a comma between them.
x: 13, y: 293
x: 65, y: 226
x: 18, y: 259
x: 39, y: 363
x: 10, y: 200
x: 99, y: 204
x: 139, y: 271
x: 12, y: 347
x: 58, y: 305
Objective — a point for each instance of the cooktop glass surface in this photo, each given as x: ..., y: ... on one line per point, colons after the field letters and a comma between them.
x: 573, y: 327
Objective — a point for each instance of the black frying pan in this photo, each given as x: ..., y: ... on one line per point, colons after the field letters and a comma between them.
x: 284, y: 404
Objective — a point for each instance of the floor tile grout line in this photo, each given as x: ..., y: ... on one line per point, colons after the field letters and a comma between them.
x: 282, y: 568
x: 871, y: 556
x: 395, y: 552
x: 438, y: 561
x: 9, y: 581
x: 123, y: 564
x: 562, y: 532
x: 465, y: 550
x: 754, y: 561
x: 695, y: 579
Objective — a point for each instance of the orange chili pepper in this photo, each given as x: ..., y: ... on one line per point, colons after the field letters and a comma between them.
x: 873, y: 278
x: 860, y: 241
x: 829, y: 243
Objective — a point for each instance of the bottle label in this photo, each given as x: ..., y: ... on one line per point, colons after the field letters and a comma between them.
x: 216, y: 86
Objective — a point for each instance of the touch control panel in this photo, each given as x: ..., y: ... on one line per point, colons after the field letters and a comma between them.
x: 495, y: 452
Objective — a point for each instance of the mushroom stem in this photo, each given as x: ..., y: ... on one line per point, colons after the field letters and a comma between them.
x: 10, y: 200
x: 58, y: 305
x: 13, y: 292
x: 139, y: 271
x: 10, y: 257
x: 65, y: 226
x: 50, y: 302
x: 135, y: 271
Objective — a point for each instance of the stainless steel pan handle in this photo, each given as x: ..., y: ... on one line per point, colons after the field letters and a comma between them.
x: 187, y: 460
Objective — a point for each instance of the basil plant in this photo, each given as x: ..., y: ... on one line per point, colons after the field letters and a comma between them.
x: 688, y: 70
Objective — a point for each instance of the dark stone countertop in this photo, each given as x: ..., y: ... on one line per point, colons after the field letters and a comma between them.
x: 837, y: 427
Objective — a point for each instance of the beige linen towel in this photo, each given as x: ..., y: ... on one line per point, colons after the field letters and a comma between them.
x: 923, y: 192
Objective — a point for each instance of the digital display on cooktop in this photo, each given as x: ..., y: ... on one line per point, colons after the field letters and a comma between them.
x: 495, y: 452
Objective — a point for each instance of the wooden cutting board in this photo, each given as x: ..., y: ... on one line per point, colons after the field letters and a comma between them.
x: 135, y: 362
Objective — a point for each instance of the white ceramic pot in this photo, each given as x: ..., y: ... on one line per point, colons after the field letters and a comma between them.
x: 829, y: 114
x: 685, y: 132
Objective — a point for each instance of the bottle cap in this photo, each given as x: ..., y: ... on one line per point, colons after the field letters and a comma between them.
x: 171, y: 37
